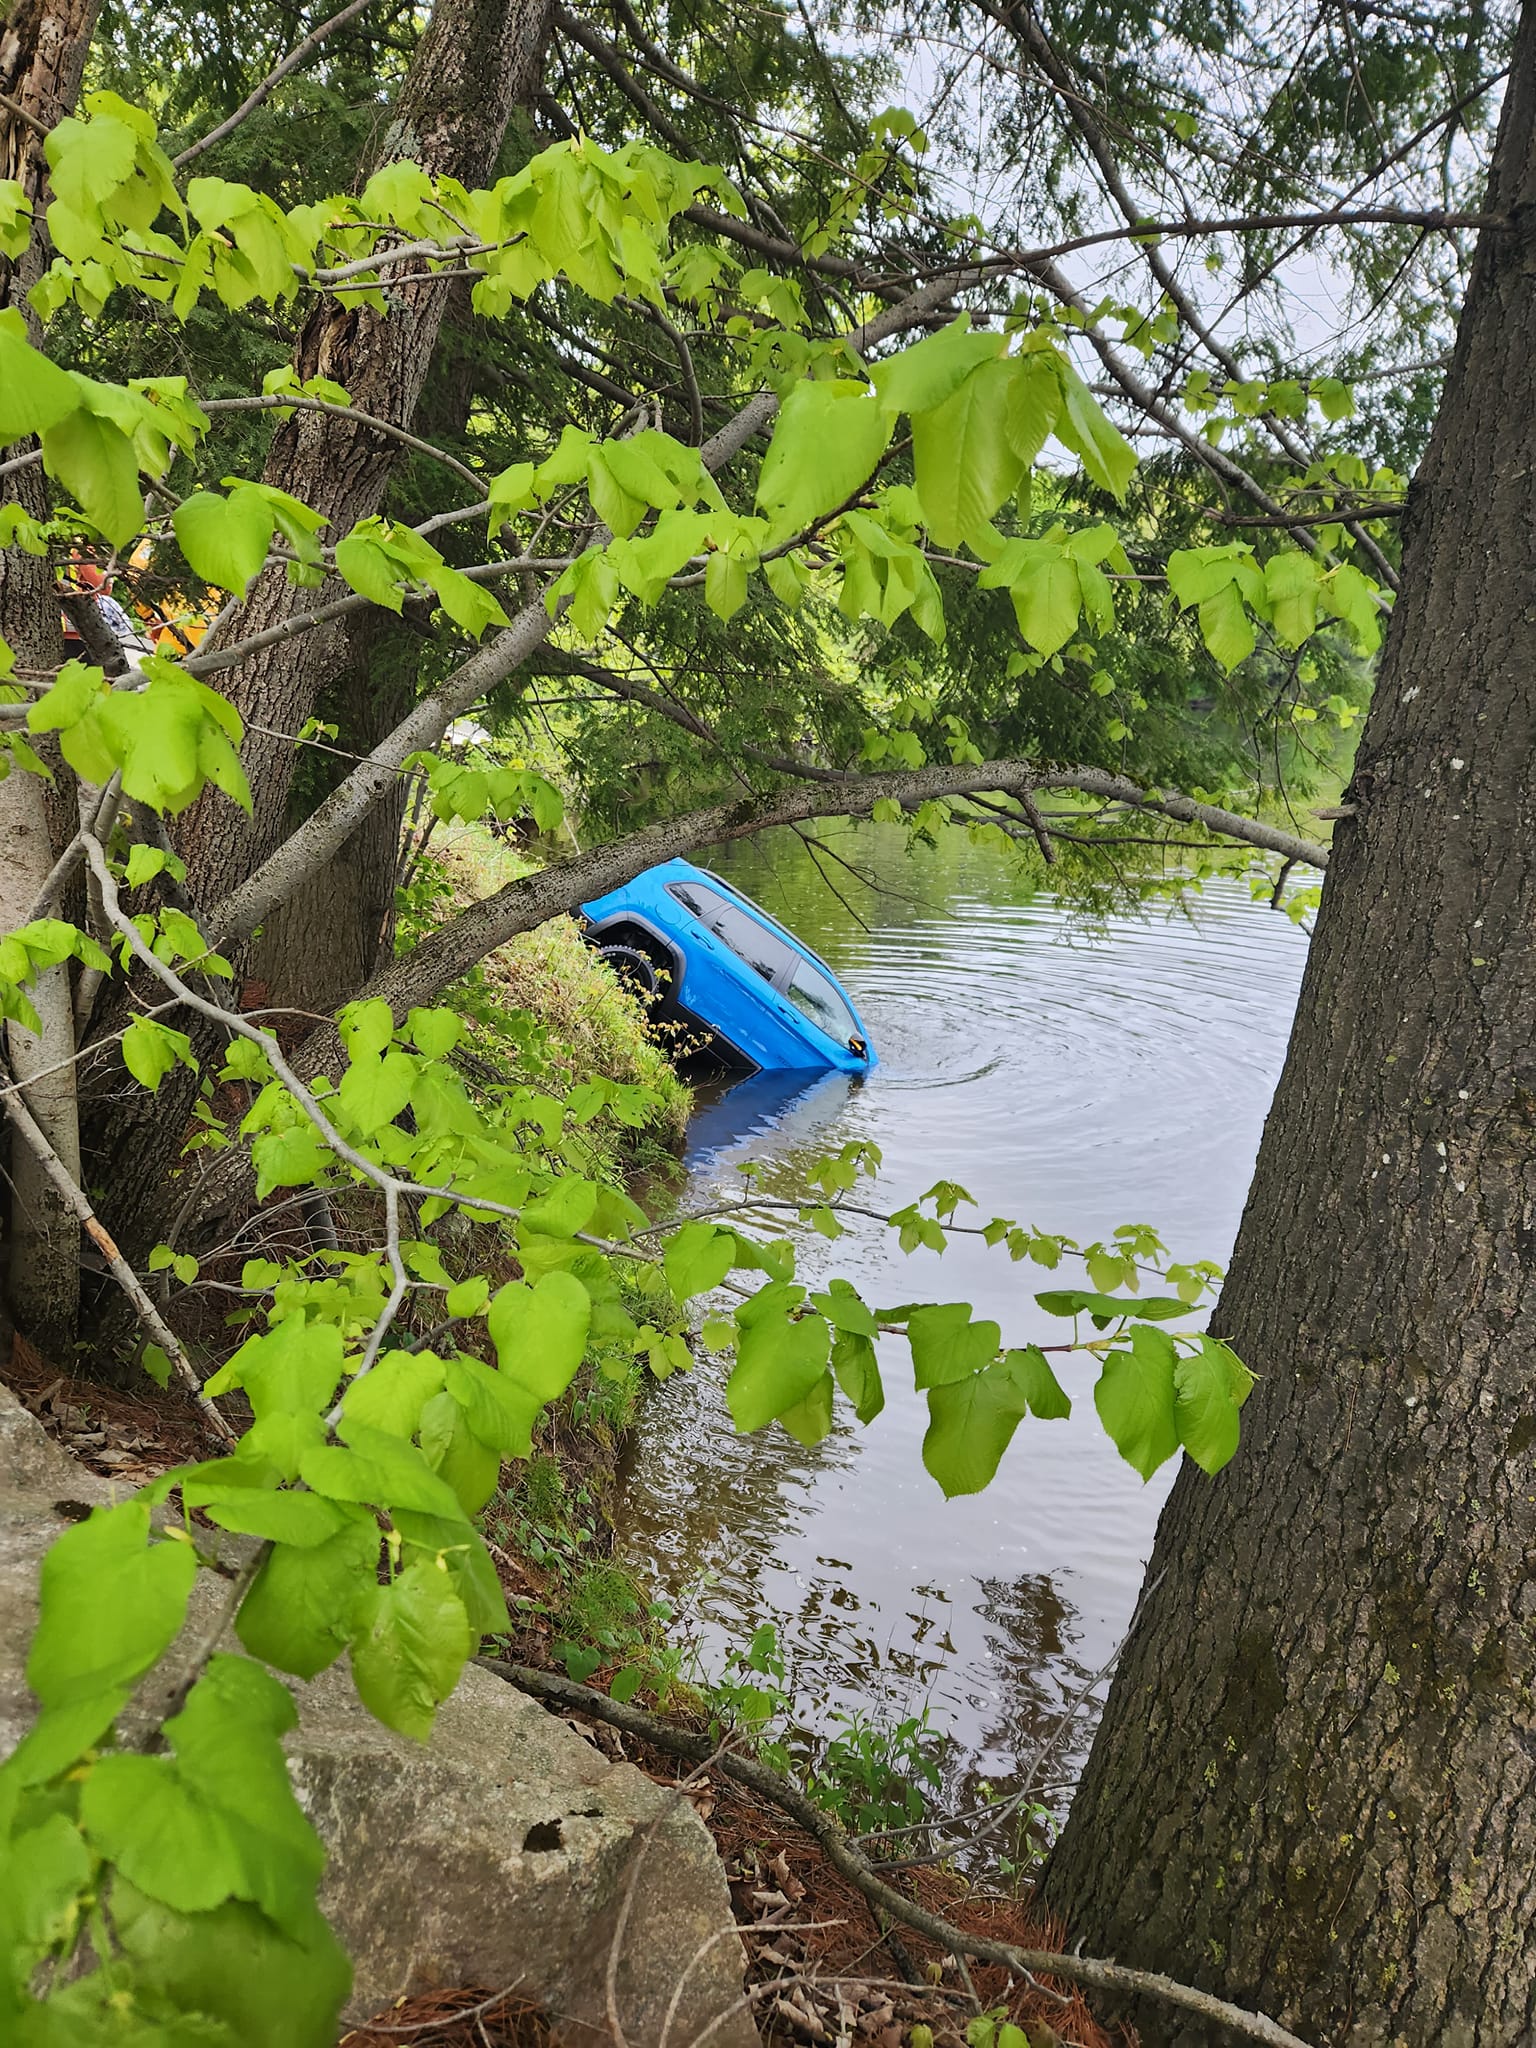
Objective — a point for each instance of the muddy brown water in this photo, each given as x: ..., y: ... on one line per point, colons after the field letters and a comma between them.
x: 1074, y: 1078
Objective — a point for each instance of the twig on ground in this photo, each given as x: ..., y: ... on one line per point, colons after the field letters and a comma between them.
x: 452, y: 2019
x: 1090, y: 1972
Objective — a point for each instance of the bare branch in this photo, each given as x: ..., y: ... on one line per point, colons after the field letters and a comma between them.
x: 274, y: 77
x: 75, y: 1200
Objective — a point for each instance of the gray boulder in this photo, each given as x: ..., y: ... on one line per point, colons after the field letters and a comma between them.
x: 506, y: 1852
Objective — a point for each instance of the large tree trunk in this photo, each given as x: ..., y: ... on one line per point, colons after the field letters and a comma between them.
x: 328, y: 938
x: 1313, y: 1784
x: 476, y: 63
x: 43, y: 46
x: 325, y: 941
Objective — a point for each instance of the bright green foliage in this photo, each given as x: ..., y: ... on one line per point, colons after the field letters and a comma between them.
x: 167, y: 739
x: 29, y: 951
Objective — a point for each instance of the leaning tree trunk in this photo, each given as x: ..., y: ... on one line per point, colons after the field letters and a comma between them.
x: 477, y: 61
x: 1315, y: 1781
x: 43, y: 46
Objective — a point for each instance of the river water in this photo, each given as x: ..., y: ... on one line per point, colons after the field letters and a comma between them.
x: 1068, y: 1077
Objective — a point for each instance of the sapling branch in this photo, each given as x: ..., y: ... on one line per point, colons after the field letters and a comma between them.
x: 78, y: 1203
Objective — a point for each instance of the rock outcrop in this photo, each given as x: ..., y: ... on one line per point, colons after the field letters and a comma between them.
x: 507, y: 1851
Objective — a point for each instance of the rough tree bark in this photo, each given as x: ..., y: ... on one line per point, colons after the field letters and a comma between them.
x: 1313, y: 1782
x: 321, y: 945
x: 477, y: 61
x: 43, y: 46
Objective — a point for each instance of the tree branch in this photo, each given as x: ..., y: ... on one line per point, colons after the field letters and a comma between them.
x: 274, y: 77
x: 74, y: 1198
x: 845, y: 1858
x: 533, y: 899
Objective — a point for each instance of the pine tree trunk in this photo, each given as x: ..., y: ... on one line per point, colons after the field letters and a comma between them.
x: 1313, y: 1784
x: 43, y: 46
x: 477, y: 61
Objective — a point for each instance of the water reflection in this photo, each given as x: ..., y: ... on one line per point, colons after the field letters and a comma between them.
x: 1070, y: 1080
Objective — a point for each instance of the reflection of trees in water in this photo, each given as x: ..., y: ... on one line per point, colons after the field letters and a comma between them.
x: 1035, y: 1674
x: 698, y: 1500
x: 998, y: 1668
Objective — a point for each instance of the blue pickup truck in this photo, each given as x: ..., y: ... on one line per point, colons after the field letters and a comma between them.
x: 722, y: 979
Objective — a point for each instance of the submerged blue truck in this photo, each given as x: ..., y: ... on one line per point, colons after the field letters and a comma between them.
x: 722, y: 979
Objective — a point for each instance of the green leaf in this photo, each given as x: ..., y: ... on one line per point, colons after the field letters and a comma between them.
x: 826, y: 443
x: 922, y: 377
x: 461, y: 1459
x: 303, y: 1519
x: 300, y: 1612
x: 392, y: 1396
x: 778, y: 1363
x: 35, y: 394
x: 845, y: 1309
x: 725, y: 584
x: 43, y: 1872
x: 434, y: 1033
x: 1084, y: 427
x: 429, y: 1538
x: 966, y: 466
x: 366, y: 1028
x: 540, y: 1333
x: 500, y: 1410
x: 1044, y: 580
x: 947, y: 1345
x: 858, y: 1373
x: 1211, y: 1385
x: 221, y: 1821
x: 469, y: 1297
x: 374, y: 1091
x: 1047, y: 1400
x: 413, y: 1642
x: 377, y: 1468
x: 111, y: 1602
x: 698, y: 1259
x: 971, y: 1424
x: 1109, y: 1308
x: 151, y: 1049
x: 225, y: 540
x: 566, y: 1209
x: 88, y: 160
x: 291, y: 1369
x: 1135, y: 1400
x: 95, y: 460
x: 810, y: 1419
x: 1291, y: 585
x: 1034, y: 401
x: 1226, y: 627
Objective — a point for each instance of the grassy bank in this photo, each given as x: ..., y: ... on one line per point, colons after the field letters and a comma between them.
x: 544, y: 1012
